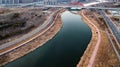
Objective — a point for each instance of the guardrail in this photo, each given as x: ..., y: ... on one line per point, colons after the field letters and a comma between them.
x: 111, y: 27
x: 113, y: 33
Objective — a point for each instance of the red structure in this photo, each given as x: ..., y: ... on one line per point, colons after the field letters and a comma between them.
x: 76, y: 4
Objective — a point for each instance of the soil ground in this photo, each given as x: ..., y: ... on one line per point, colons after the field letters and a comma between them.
x: 106, y: 56
x: 32, y: 45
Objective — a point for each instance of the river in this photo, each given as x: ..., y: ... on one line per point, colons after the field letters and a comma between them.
x: 64, y: 50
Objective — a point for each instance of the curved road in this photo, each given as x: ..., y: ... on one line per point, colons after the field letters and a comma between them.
x: 45, y: 24
x: 91, y: 61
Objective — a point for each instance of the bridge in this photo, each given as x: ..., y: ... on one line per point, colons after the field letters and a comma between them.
x: 77, y: 6
x: 72, y: 4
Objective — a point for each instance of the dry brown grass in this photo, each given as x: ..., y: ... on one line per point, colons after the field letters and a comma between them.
x: 32, y: 45
x: 87, y: 54
x: 105, y: 56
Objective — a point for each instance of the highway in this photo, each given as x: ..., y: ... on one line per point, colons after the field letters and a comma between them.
x: 111, y: 25
x: 85, y: 7
x: 44, y: 25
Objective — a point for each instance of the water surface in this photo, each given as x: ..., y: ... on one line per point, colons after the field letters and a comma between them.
x: 64, y: 50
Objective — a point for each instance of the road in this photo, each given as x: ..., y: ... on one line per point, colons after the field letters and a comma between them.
x: 114, y: 32
x: 44, y: 25
x: 111, y: 25
x: 91, y: 61
x: 86, y: 6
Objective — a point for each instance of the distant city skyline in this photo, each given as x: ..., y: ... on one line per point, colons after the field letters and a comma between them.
x: 46, y: 1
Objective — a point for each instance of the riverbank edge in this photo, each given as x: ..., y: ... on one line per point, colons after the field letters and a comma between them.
x: 84, y: 60
x: 27, y: 48
x: 105, y: 50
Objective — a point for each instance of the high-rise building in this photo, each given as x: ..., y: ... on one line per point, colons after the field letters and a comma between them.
x: 0, y: 1
x: 116, y: 0
x: 27, y: 1
x: 9, y: 1
x: 50, y: 2
x: 17, y: 1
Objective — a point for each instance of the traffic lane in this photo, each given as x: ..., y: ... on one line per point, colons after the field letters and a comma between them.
x: 3, y: 46
x: 114, y: 30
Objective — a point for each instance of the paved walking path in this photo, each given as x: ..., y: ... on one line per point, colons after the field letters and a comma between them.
x: 91, y: 61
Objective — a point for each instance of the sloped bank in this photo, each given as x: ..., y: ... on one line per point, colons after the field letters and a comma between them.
x: 105, y: 56
x: 87, y: 54
x: 32, y: 45
x: 64, y: 50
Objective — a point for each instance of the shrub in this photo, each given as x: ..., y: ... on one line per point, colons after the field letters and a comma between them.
x: 15, y: 15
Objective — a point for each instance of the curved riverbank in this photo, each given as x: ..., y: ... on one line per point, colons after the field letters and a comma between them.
x: 32, y: 45
x: 64, y: 50
x: 88, y: 52
x: 104, y: 55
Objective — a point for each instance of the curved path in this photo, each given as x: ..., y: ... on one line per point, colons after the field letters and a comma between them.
x: 44, y: 25
x: 91, y: 61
